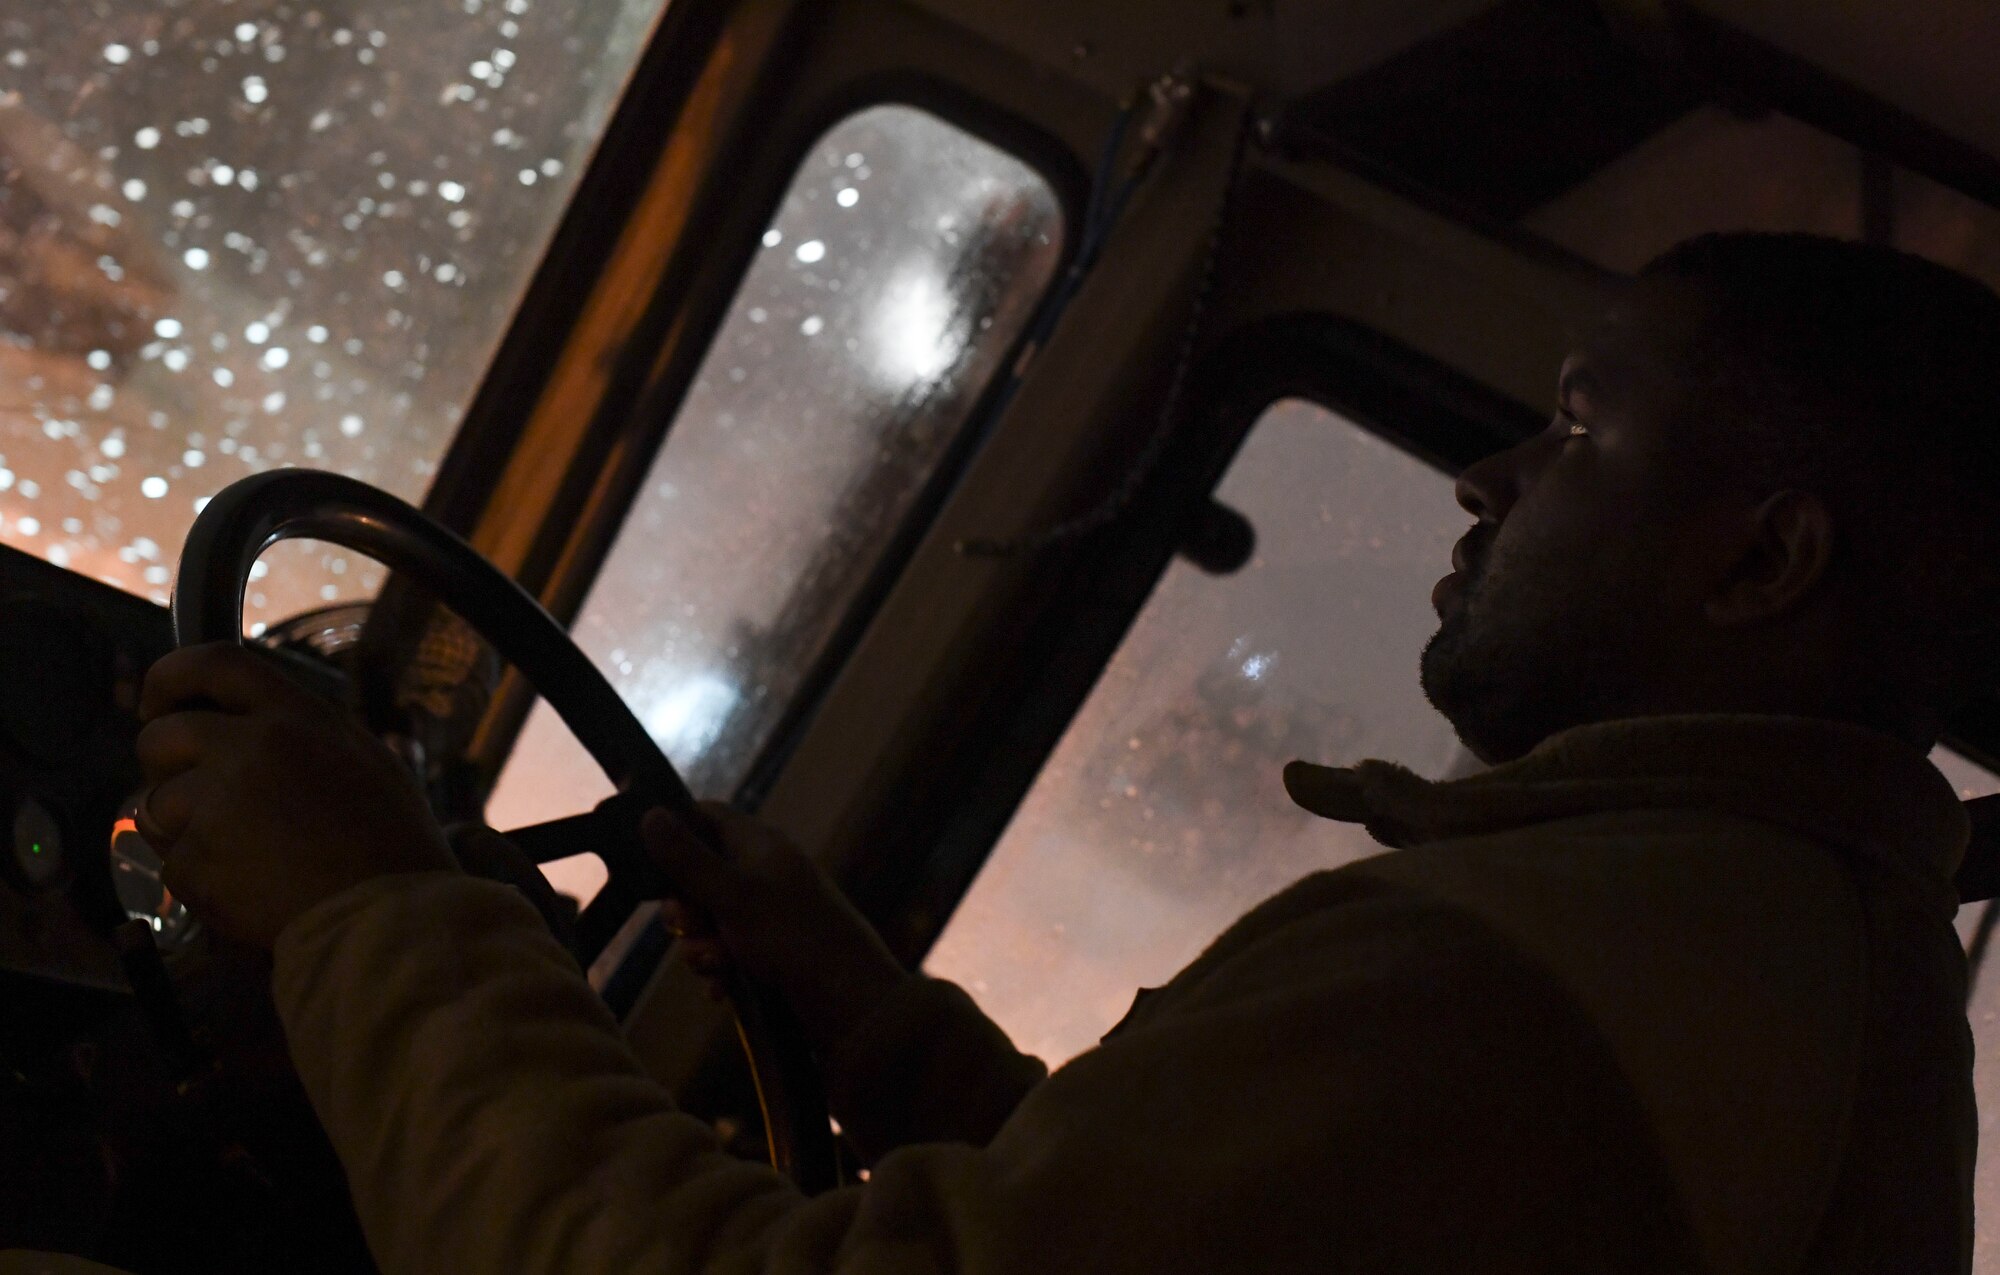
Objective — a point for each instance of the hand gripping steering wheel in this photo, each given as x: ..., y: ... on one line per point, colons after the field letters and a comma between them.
x: 251, y: 515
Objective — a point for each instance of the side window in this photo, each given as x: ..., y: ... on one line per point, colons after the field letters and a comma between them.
x: 1161, y: 816
x: 1982, y: 1010
x: 239, y: 234
x: 903, y: 264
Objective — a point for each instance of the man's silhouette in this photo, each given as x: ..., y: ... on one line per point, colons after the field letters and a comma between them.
x: 1672, y: 987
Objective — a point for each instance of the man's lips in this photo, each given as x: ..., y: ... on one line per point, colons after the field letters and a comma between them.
x: 1446, y: 590
x: 1463, y: 567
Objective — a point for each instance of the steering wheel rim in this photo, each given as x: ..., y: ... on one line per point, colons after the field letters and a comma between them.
x: 245, y: 519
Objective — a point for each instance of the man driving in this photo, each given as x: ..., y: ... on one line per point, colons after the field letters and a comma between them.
x: 1672, y: 986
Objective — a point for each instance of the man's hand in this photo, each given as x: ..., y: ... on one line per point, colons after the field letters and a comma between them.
x: 763, y: 907
x: 265, y: 799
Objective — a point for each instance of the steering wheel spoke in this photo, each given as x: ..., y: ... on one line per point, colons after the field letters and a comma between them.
x: 611, y: 832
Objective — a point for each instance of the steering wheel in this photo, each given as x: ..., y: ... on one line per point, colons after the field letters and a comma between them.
x: 253, y: 514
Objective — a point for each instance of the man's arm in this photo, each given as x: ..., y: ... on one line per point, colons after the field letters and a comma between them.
x: 1376, y: 1086
x: 926, y: 1066
x: 1362, y: 1080
x: 491, y: 1118
x: 908, y: 1059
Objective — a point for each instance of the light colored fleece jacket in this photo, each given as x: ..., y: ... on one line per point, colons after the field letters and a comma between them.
x: 1665, y: 995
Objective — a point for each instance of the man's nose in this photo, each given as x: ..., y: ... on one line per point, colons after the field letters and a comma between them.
x: 1488, y: 488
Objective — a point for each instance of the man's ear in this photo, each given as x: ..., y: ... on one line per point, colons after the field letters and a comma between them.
x: 1785, y: 556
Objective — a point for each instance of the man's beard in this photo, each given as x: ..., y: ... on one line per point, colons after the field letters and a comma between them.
x: 1508, y: 671
x: 1458, y: 680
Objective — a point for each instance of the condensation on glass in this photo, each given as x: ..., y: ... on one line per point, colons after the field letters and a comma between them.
x: 903, y: 264
x: 1161, y: 817
x: 240, y: 235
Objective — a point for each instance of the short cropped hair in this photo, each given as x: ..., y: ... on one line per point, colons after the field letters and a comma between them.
x: 1871, y: 377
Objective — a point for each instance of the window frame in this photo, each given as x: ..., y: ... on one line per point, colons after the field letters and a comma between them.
x: 578, y: 254
x: 1057, y: 166
x: 1020, y: 142
x: 647, y: 428
x: 722, y: 239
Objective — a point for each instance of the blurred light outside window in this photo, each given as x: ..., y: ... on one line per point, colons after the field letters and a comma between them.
x: 1161, y: 817
x: 236, y: 236
x: 904, y: 262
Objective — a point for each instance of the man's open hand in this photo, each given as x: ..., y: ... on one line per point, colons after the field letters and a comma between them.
x: 265, y: 799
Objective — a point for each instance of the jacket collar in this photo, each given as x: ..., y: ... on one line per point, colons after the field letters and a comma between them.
x: 1834, y: 782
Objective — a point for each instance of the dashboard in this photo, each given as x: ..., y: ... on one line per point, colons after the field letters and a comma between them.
x: 113, y: 1143
x: 72, y: 655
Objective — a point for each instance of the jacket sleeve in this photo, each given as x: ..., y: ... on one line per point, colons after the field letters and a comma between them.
x: 926, y: 1066
x: 1363, y: 1091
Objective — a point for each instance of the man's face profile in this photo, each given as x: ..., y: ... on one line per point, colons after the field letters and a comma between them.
x: 1583, y: 578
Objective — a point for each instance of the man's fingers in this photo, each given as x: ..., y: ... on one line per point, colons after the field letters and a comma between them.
x: 686, y: 922
x: 187, y: 877
x: 705, y: 957
x: 222, y: 674
x: 699, y: 874
x: 178, y: 741
x: 167, y: 810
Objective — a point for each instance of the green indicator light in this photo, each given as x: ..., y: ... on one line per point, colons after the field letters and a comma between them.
x: 36, y: 848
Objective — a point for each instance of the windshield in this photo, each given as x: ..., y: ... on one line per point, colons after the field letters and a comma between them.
x: 235, y: 236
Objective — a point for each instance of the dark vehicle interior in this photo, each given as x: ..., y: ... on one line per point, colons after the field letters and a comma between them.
x: 985, y: 440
